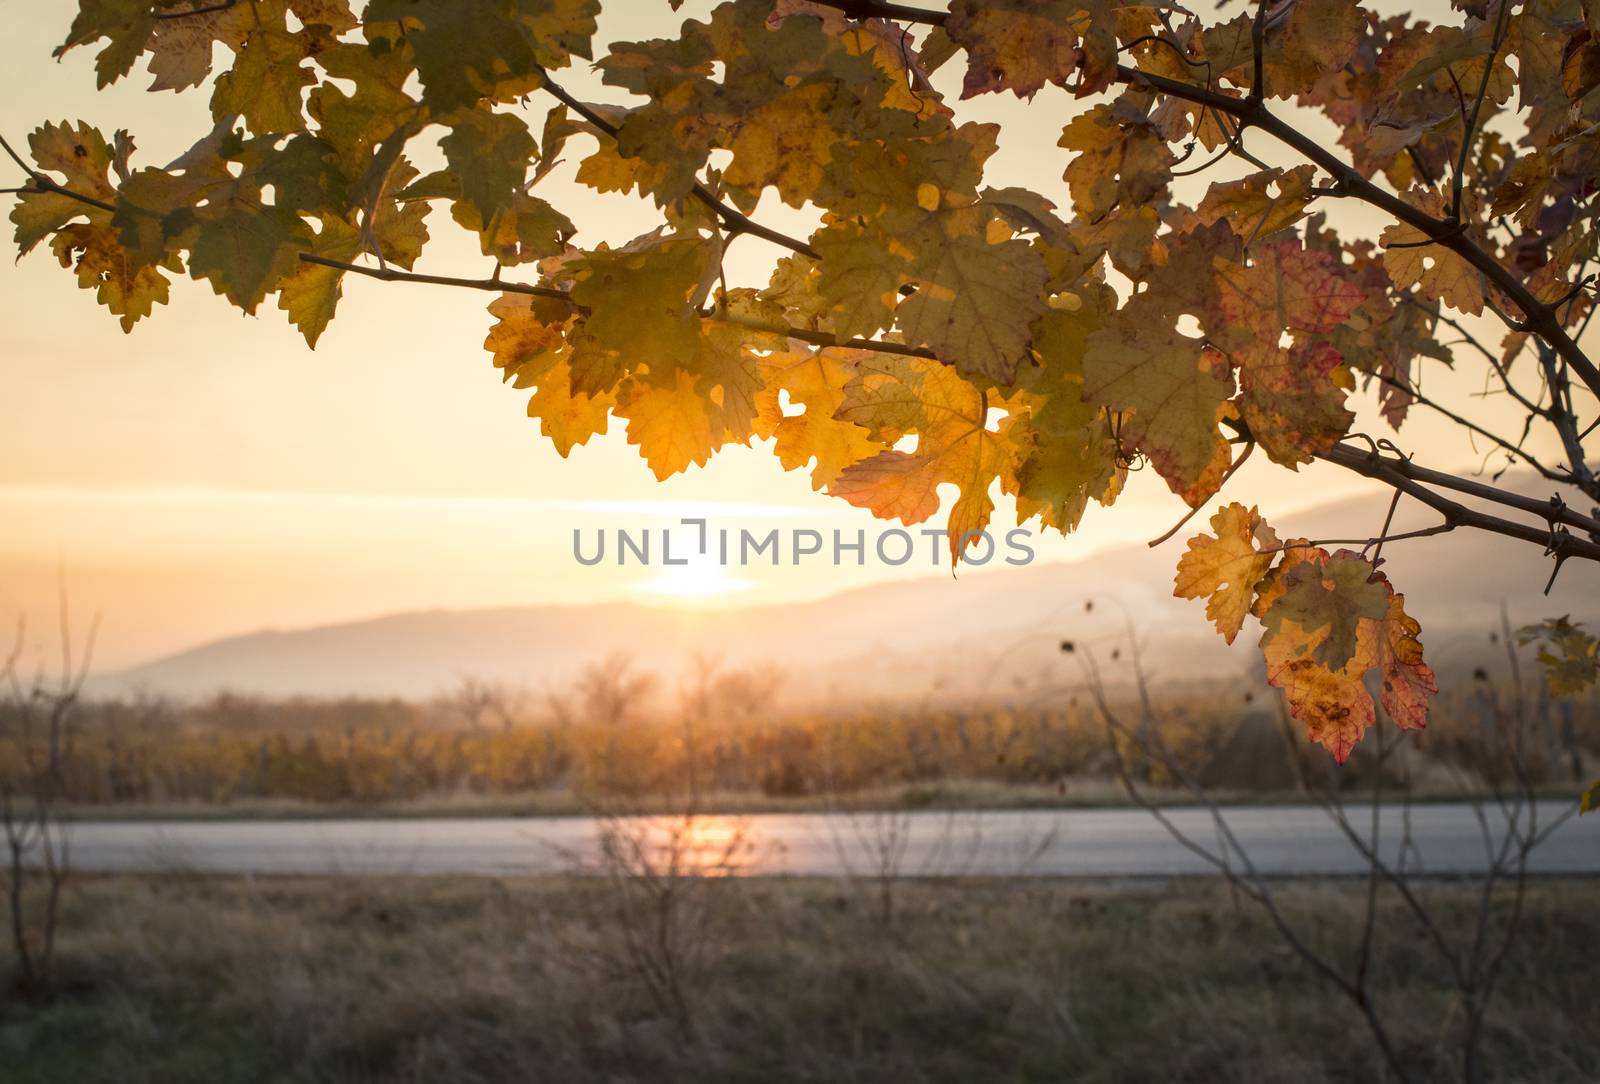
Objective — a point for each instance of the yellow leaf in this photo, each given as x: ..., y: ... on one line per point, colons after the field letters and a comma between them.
x: 102, y: 264
x: 671, y: 426
x: 815, y: 381
x: 953, y: 446
x: 568, y: 418
x: 1250, y: 210
x: 1018, y: 47
x: 1224, y: 567
x: 311, y: 294
x: 787, y: 143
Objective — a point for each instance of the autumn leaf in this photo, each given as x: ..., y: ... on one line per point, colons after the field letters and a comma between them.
x: 670, y: 425
x: 1176, y: 391
x: 859, y: 279
x: 1293, y: 396
x: 311, y: 295
x: 814, y: 382
x: 1408, y: 683
x: 954, y: 445
x: 1260, y: 205
x: 80, y: 157
x: 1570, y: 655
x: 786, y: 143
x: 1225, y: 566
x: 1412, y: 258
x: 126, y: 25
x: 1122, y: 160
x: 470, y: 49
x: 268, y: 77
x: 129, y: 290
x: 1333, y: 621
x: 1329, y: 597
x: 1017, y: 47
x: 640, y: 311
x: 978, y: 290
x: 245, y: 250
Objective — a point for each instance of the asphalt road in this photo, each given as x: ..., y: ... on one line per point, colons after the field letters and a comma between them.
x: 1280, y: 840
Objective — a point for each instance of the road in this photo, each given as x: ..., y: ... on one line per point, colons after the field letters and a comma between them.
x: 1280, y: 840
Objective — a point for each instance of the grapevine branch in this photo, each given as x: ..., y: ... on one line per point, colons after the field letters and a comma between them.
x: 1540, y: 319
x: 1399, y: 474
x: 39, y: 182
x: 497, y: 285
x: 1252, y: 111
x: 733, y: 220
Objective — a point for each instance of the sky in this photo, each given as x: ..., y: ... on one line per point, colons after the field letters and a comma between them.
x: 208, y: 474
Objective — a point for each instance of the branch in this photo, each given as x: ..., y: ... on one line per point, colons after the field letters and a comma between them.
x: 1545, y: 510
x: 1477, y: 344
x: 1538, y: 317
x: 1233, y: 468
x: 1408, y: 478
x: 205, y: 9
x: 42, y: 183
x: 1258, y: 51
x: 1513, y: 450
x: 735, y: 221
x: 815, y: 338
x: 1501, y: 25
x: 1564, y: 418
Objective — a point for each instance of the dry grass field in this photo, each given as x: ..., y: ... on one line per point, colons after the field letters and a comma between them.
x: 573, y: 979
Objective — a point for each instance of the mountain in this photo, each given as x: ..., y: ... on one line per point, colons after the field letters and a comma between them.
x: 980, y: 633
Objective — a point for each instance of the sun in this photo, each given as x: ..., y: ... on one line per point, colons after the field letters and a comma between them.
x: 698, y: 580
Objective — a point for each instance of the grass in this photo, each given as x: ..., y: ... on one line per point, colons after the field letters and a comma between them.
x: 395, y: 980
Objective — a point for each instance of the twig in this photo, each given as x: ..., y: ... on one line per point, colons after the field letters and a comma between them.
x: 815, y: 338
x: 735, y: 221
x: 1229, y: 473
x: 1501, y: 25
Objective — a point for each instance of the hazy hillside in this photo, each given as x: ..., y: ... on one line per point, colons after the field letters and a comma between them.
x: 979, y: 633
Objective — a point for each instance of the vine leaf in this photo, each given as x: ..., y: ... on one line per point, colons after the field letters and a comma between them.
x: 1176, y: 389
x: 1226, y: 566
x: 311, y: 295
x: 954, y: 446
x: 1441, y: 274
x: 1331, y: 619
x: 1569, y: 654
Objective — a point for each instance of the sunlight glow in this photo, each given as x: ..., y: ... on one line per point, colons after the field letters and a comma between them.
x: 699, y: 579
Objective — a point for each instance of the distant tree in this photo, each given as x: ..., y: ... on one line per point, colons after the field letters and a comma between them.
x: 1048, y: 352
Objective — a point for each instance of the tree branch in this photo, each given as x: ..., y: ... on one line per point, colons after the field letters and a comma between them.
x: 42, y: 183
x: 1408, y: 478
x: 491, y: 285
x: 1471, y: 123
x: 733, y: 220
x: 1537, y: 317
x: 1513, y: 450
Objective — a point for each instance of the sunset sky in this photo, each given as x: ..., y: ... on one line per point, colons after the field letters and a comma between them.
x: 209, y: 474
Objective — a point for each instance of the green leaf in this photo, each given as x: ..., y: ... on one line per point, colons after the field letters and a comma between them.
x: 245, y: 251
x: 1334, y: 595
